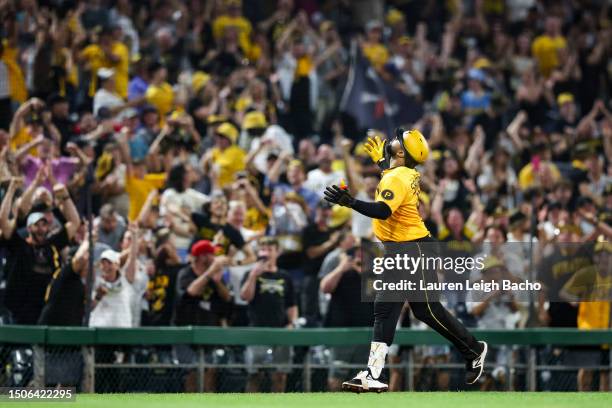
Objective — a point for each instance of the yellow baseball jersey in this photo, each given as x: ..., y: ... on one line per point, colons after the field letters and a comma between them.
x: 399, y: 189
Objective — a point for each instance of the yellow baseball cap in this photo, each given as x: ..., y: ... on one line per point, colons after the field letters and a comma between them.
x: 394, y: 16
x: 404, y: 40
x: 228, y: 130
x: 253, y: 120
x: 296, y: 163
x: 482, y: 63
x: 199, y: 79
x: 564, y: 98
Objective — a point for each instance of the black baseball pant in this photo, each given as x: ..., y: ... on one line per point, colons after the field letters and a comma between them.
x: 429, y: 310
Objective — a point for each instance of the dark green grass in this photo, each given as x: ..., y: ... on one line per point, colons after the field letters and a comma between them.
x: 336, y: 400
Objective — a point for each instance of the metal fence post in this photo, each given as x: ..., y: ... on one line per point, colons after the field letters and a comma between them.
x: 510, y: 372
x: 89, y: 369
x: 610, y: 369
x: 410, y: 370
x: 39, y: 365
x: 531, y: 369
x: 201, y: 368
x: 308, y: 372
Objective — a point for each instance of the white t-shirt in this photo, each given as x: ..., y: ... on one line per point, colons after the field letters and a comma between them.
x: 191, y: 199
x: 141, y: 280
x: 317, y: 180
x: 105, y: 98
x: 114, y: 309
x: 282, y: 143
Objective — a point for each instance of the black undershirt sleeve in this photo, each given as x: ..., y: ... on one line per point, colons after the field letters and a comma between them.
x: 376, y: 209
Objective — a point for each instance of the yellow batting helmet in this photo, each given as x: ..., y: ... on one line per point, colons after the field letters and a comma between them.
x: 415, y: 145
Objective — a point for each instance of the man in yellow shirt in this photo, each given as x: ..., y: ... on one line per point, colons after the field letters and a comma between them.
x: 159, y: 94
x: 233, y: 18
x: 372, y: 48
x: 225, y: 159
x: 108, y: 53
x: 138, y: 186
x: 545, y: 47
x: 592, y: 286
x: 396, y: 219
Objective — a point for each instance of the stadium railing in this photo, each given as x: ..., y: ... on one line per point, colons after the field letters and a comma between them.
x: 87, y: 343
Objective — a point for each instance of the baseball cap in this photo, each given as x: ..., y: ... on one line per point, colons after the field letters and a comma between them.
x: 105, y: 73
x: 394, y: 16
x: 203, y: 247
x: 111, y: 256
x: 373, y: 24
x: 482, y: 63
x: 34, y: 218
x: 199, y: 79
x: 253, y: 120
x: 229, y: 131
x: 564, y: 98
x: 130, y: 113
x: 476, y: 74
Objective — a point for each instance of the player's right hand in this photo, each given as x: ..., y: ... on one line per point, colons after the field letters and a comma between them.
x: 337, y: 195
x: 375, y: 147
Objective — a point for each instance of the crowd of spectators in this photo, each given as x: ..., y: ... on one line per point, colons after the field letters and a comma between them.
x: 201, y: 135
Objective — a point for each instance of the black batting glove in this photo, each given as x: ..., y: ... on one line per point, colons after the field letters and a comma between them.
x: 337, y: 195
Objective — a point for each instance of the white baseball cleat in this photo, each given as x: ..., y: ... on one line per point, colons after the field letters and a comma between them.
x: 364, y: 382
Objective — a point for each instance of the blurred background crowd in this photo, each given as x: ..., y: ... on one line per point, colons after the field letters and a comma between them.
x: 200, y: 135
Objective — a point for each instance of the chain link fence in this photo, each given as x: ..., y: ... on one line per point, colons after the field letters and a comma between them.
x: 183, y: 368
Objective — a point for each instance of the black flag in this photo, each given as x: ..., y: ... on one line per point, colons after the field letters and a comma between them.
x: 374, y: 102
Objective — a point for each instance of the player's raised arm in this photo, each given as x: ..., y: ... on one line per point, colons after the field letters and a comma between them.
x: 375, y: 147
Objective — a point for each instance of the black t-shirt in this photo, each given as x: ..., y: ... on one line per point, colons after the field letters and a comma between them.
x: 208, y: 230
x: 345, y: 307
x: 203, y: 310
x: 274, y: 294
x: 29, y: 270
x: 162, y: 291
x: 65, y: 299
x: 312, y: 236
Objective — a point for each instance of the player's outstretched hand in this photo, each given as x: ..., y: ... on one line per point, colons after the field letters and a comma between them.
x: 337, y: 195
x: 375, y: 148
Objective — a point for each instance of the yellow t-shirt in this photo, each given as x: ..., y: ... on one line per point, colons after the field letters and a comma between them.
x: 162, y: 98
x: 377, y: 54
x: 138, y: 190
x: 544, y: 50
x: 122, y: 68
x: 228, y: 162
x: 527, y: 177
x: 96, y: 59
x: 399, y: 189
x: 22, y: 137
x: 256, y: 220
x: 587, y: 283
x: 17, y: 87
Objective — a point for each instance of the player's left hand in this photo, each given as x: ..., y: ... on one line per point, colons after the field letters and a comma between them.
x: 337, y: 195
x: 375, y: 147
